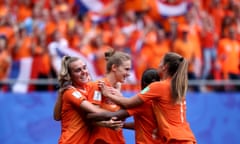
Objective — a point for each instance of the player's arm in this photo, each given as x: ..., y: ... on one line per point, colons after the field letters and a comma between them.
x: 117, y: 97
x: 91, y: 108
x: 113, y: 123
x: 120, y: 114
x: 57, y: 108
x: 113, y: 120
x: 129, y: 125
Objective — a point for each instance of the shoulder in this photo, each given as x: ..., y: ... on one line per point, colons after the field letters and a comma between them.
x: 68, y: 90
x: 92, y: 85
x: 159, y: 85
x: 72, y: 92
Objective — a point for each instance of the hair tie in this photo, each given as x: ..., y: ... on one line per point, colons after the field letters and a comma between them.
x: 181, y: 59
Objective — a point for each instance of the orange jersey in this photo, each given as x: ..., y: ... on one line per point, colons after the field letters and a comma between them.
x: 74, y: 127
x: 228, y: 54
x: 24, y: 49
x: 185, y: 49
x: 102, y: 133
x: 171, y: 118
x: 145, y: 124
x: 5, y: 62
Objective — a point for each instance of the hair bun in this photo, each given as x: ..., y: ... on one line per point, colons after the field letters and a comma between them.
x: 109, y: 53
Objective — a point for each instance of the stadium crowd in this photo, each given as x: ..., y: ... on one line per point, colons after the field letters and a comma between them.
x: 206, y: 33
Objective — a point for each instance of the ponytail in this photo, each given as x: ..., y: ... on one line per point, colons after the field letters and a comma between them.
x: 177, y: 69
x: 180, y: 81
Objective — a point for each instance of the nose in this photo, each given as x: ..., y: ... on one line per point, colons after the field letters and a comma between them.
x: 128, y: 73
x: 84, y: 71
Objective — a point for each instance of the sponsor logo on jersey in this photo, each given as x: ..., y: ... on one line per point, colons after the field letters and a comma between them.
x: 97, y: 96
x: 77, y: 94
x: 145, y: 90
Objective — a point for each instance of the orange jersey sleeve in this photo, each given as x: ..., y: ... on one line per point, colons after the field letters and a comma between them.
x: 74, y: 127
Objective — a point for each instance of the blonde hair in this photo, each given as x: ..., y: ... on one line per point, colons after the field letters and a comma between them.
x: 177, y: 69
x: 64, y: 77
x: 115, y: 58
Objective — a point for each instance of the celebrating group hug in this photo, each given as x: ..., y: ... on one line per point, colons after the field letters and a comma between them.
x: 94, y: 112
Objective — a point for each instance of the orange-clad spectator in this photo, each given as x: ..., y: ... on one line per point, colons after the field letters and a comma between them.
x: 7, y: 26
x: 161, y: 48
x: 136, y: 5
x: 75, y: 36
x: 63, y: 12
x: 8, y: 32
x: 144, y: 45
x: 94, y: 51
x: 108, y: 29
x: 119, y: 42
x: 87, y: 23
x: 237, y: 21
x: 153, y: 10
x: 24, y: 10
x: 5, y: 60
x: 209, y: 41
x: 44, y: 4
x: 50, y: 25
x: 110, y: 8
x: 221, y: 57
x: 41, y: 58
x: 23, y: 46
x: 194, y: 29
x: 169, y: 100
x: 55, y: 22
x: 145, y: 54
x: 229, y: 56
x: 184, y: 47
x: 128, y: 23
x: 133, y: 41
x: 217, y: 11
x: 55, y: 49
x: 4, y: 9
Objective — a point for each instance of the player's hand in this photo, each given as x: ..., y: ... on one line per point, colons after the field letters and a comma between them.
x: 113, y: 123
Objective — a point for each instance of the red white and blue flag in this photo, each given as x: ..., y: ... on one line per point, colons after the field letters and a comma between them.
x: 168, y: 9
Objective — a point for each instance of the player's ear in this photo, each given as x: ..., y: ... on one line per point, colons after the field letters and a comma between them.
x: 114, y: 67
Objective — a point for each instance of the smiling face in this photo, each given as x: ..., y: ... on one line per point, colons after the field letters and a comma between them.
x: 122, y: 71
x: 78, y: 72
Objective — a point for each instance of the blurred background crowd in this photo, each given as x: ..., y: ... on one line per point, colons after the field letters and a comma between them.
x: 35, y: 34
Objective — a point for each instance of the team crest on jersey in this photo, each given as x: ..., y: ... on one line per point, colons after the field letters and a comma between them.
x: 77, y: 94
x: 145, y: 90
x: 97, y: 96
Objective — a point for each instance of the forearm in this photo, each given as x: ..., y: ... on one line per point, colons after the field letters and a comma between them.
x: 57, y: 109
x: 126, y: 102
x: 120, y: 114
x: 129, y: 125
x: 112, y: 123
x: 91, y: 108
x: 99, y: 116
